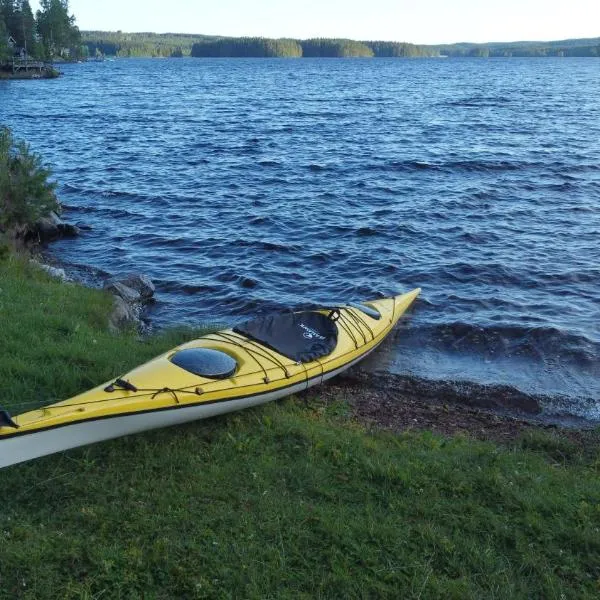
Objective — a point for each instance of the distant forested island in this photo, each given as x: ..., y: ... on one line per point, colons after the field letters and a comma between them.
x: 107, y: 43
x: 323, y: 48
x: 578, y: 47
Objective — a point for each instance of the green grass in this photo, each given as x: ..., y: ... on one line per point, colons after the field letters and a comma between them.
x: 55, y: 341
x: 292, y: 500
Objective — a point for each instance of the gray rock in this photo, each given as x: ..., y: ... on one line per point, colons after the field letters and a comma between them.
x: 130, y: 292
x: 55, y: 272
x: 142, y: 284
x: 52, y: 227
x: 47, y: 228
x: 68, y: 230
x: 54, y: 218
x: 123, y: 315
x: 123, y: 291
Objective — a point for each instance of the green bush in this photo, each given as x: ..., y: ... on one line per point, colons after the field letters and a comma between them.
x: 26, y: 194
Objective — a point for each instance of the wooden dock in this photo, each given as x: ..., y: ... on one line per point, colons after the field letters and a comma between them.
x: 20, y: 65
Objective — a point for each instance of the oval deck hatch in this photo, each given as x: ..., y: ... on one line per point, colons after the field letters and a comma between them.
x: 212, y: 364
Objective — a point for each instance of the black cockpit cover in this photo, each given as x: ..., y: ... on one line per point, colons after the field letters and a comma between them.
x: 301, y: 336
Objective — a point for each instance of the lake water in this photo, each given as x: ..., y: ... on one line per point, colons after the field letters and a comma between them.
x: 241, y: 186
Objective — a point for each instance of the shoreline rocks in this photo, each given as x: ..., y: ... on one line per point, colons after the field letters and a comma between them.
x: 52, y: 228
x: 134, y: 285
x: 131, y: 293
x: 56, y: 272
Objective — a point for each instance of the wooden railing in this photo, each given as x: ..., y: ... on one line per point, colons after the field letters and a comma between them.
x: 28, y: 64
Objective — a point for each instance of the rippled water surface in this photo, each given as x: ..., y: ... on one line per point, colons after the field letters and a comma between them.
x: 243, y: 185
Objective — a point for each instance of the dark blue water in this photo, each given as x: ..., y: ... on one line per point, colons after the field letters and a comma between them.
x: 242, y: 185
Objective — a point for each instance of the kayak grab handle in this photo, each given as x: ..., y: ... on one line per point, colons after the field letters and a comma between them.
x: 368, y: 310
x: 120, y: 383
x: 6, y: 420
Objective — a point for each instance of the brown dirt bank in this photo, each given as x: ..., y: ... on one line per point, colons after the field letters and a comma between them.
x: 400, y: 403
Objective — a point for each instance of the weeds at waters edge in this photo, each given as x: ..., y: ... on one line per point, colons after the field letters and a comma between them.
x: 286, y: 501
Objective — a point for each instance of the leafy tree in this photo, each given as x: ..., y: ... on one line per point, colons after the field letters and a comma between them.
x: 26, y: 194
x: 57, y: 29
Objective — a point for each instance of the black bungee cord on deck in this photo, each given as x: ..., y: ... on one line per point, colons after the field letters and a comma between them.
x: 350, y: 323
x: 260, y: 350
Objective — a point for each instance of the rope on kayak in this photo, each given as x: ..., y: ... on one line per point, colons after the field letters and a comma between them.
x: 222, y: 338
x: 351, y: 322
x: 216, y: 337
x: 266, y: 352
x: 356, y: 324
x: 355, y: 315
x: 167, y: 390
x: 305, y: 374
x: 342, y: 321
x: 322, y: 371
x: 252, y: 352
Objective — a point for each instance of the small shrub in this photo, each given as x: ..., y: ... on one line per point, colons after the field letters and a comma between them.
x: 26, y: 194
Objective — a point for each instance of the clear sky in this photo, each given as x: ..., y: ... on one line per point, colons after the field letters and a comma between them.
x: 417, y: 21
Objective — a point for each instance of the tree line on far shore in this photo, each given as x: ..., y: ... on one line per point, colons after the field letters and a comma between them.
x: 567, y: 48
x: 50, y: 34
x: 320, y: 47
x: 177, y: 45
x: 123, y: 44
x: 126, y: 45
x: 337, y: 48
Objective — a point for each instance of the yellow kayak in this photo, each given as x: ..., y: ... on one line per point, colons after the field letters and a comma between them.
x: 256, y: 362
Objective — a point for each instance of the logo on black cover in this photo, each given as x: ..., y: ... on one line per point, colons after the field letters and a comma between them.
x: 310, y: 333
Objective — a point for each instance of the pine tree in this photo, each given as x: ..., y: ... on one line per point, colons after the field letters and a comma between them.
x: 26, y: 28
x: 26, y: 194
x: 57, y: 29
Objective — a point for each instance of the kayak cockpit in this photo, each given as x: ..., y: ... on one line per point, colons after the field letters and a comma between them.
x: 300, y: 336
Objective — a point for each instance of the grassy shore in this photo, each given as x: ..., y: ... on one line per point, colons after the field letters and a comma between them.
x: 292, y: 500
